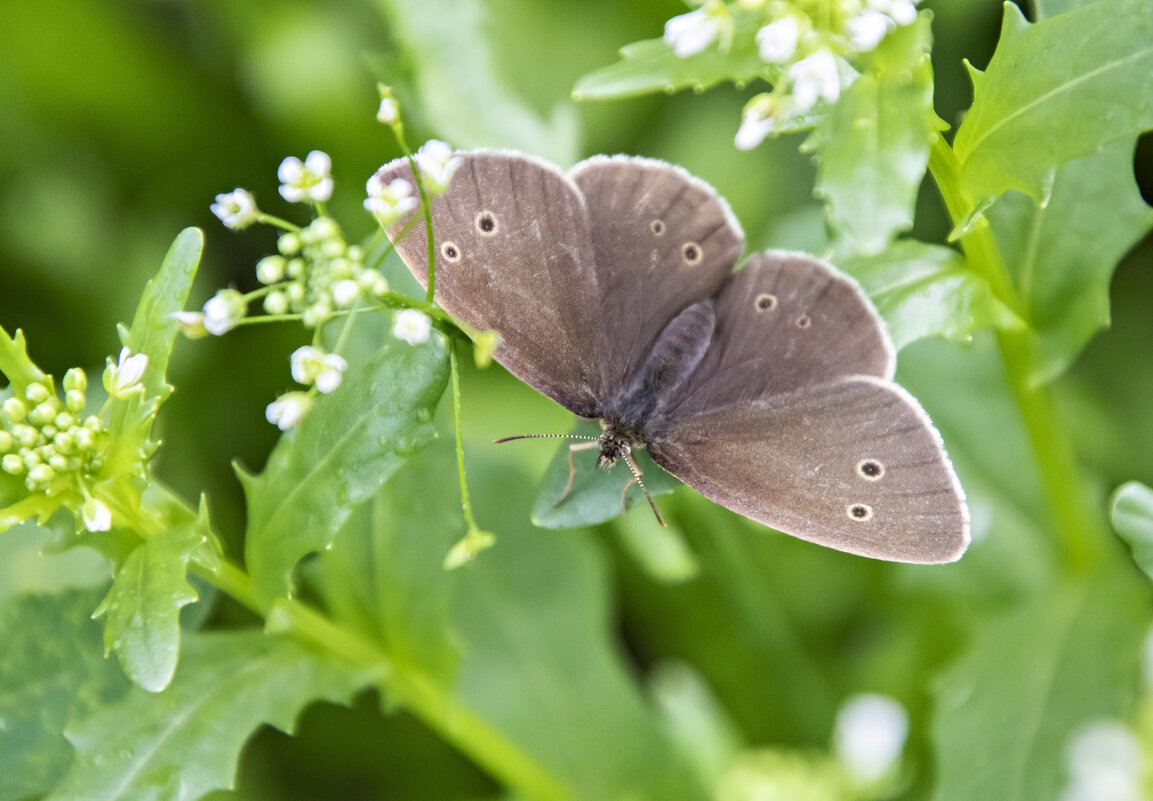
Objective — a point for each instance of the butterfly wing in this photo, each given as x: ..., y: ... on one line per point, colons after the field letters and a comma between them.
x: 513, y: 253
x: 785, y: 321
x: 663, y: 241
x: 854, y: 465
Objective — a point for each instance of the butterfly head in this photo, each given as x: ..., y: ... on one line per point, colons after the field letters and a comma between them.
x: 617, y: 441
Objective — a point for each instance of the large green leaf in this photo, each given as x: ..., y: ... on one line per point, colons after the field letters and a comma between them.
x: 596, y: 494
x: 153, y: 334
x: 1062, y: 255
x: 925, y: 290
x: 184, y: 742
x: 873, y: 145
x: 1006, y: 711
x: 462, y: 92
x: 1054, y: 91
x: 51, y: 672
x: 336, y: 458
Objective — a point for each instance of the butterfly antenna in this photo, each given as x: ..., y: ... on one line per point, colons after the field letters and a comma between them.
x: 543, y: 436
x: 637, y: 476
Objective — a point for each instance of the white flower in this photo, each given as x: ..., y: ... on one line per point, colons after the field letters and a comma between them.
x: 757, y: 121
x: 235, y: 209
x: 815, y: 78
x: 345, y: 292
x: 777, y: 41
x: 389, y: 111
x: 312, y: 365
x: 123, y: 378
x: 1105, y: 762
x: 437, y: 165
x: 412, y: 326
x: 287, y: 410
x: 307, y: 181
x: 223, y: 311
x: 96, y: 515
x: 867, y: 29
x: 689, y: 34
x: 191, y: 324
x: 869, y: 735
x: 389, y: 202
x: 902, y: 12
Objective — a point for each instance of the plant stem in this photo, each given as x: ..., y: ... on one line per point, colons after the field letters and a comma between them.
x: 464, y: 502
x: 1081, y: 531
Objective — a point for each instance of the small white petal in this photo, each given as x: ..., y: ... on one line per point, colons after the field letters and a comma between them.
x: 753, y: 131
x: 96, y: 515
x: 777, y: 41
x: 689, y: 34
x: 903, y: 12
x: 869, y: 735
x: 331, y: 373
x: 318, y: 163
x: 345, y: 292
x: 389, y: 111
x: 290, y: 170
x: 223, y: 311
x: 815, y: 78
x: 191, y: 324
x: 309, y: 180
x: 305, y: 364
x: 867, y: 29
x: 235, y: 209
x: 437, y: 165
x: 412, y: 326
x: 287, y: 410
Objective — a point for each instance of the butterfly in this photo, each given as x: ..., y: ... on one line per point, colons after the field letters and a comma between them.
x: 768, y: 390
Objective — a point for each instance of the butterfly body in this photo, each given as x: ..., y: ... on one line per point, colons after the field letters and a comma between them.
x: 767, y: 389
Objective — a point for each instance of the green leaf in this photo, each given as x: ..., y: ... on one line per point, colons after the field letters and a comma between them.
x: 596, y: 494
x: 15, y: 364
x: 1064, y: 658
x: 143, y: 607
x: 1055, y: 91
x: 873, y: 145
x: 1132, y: 513
x: 51, y: 672
x: 652, y: 66
x: 1043, y: 9
x: 153, y: 333
x: 1062, y: 256
x: 185, y: 742
x: 348, y: 444
x: 461, y: 90
x: 925, y: 290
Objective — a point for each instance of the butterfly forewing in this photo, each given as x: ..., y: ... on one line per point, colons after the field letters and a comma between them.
x: 513, y: 253
x: 663, y: 241
x: 854, y: 465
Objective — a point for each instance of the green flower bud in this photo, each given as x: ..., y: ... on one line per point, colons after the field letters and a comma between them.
x: 6, y: 441
x: 325, y: 228
x: 271, y: 269
x: 39, y: 476
x: 43, y: 414
x: 295, y: 268
x: 288, y: 244
x: 74, y: 400
x: 14, y: 410
x: 75, y: 380
x: 64, y: 442
x: 64, y: 421
x: 276, y: 303
x: 356, y: 254
x: 296, y: 293
x: 12, y: 464
x: 58, y: 462
x: 25, y: 435
x: 37, y: 393
x: 332, y: 249
x: 84, y: 438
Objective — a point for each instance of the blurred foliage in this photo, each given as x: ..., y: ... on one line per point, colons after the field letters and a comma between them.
x: 121, y: 121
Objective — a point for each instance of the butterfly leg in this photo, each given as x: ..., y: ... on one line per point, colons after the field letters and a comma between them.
x: 580, y: 446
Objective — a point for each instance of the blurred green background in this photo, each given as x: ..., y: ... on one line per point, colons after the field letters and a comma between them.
x: 119, y: 123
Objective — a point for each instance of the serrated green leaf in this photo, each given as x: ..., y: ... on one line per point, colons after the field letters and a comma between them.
x: 651, y: 66
x: 873, y: 146
x: 1055, y: 91
x: 15, y: 364
x: 1132, y: 514
x: 596, y: 494
x: 185, y: 742
x: 153, y: 334
x: 142, y: 609
x: 1005, y: 713
x: 51, y: 672
x: 347, y: 446
x: 460, y: 87
x: 924, y: 290
x: 1062, y: 256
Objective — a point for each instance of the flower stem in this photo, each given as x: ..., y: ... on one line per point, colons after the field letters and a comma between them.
x: 1080, y: 528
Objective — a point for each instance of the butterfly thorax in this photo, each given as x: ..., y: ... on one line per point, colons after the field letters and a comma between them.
x: 673, y: 358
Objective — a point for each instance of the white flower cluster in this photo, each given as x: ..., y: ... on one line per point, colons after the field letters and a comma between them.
x: 310, y: 365
x: 810, y: 41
